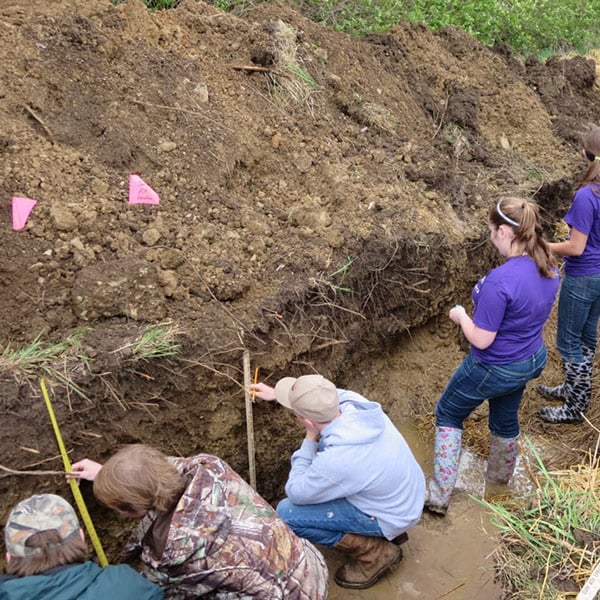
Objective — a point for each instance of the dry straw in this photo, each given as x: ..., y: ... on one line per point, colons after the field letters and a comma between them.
x: 550, y: 540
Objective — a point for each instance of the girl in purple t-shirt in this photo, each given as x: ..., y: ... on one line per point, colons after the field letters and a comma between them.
x: 579, y: 300
x: 511, y: 305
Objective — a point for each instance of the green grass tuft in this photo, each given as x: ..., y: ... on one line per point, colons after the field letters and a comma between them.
x: 56, y: 361
x: 550, y: 539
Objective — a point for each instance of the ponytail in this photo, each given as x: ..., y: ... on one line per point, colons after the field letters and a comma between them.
x: 591, y: 146
x: 524, y: 218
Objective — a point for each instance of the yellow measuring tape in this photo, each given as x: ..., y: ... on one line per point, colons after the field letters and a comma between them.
x: 87, y: 521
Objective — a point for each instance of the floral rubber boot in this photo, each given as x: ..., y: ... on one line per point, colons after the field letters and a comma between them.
x: 446, y: 457
x: 502, y: 459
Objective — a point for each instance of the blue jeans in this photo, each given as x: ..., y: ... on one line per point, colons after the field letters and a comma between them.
x: 327, y: 522
x: 578, y: 314
x: 502, y: 385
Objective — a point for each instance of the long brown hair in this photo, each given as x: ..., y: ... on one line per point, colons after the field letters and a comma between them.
x: 591, y: 144
x: 52, y: 552
x: 524, y: 217
x: 139, y: 478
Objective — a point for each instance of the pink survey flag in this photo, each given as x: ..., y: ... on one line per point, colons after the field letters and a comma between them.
x: 140, y: 192
x: 21, y: 209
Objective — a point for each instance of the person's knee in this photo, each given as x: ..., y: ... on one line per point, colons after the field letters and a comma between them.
x: 446, y: 418
x: 284, y: 509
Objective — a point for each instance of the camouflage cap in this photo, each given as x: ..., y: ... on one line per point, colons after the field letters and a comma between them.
x: 35, y: 514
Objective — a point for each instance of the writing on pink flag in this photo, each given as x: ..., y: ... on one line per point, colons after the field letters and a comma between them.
x: 140, y: 192
x: 21, y: 209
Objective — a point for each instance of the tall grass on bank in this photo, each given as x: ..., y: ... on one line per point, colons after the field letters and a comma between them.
x: 549, y: 542
x: 153, y: 342
x: 540, y: 27
x: 57, y: 361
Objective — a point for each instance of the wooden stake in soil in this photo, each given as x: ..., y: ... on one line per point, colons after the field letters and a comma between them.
x: 249, y: 420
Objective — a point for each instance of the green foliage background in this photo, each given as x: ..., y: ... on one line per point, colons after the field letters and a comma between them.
x: 528, y: 26
x: 540, y: 27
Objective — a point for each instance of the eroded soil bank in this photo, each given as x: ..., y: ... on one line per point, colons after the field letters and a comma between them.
x: 322, y: 204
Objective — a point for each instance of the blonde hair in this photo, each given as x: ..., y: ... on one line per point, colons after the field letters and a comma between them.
x: 591, y: 177
x: 139, y: 478
x: 52, y: 552
x: 524, y: 217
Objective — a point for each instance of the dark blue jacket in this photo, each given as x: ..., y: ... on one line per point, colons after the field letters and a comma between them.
x: 85, y: 581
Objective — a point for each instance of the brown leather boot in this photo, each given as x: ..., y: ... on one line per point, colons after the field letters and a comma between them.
x: 370, y: 558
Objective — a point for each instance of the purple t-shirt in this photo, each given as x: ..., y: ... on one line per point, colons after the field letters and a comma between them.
x: 584, y: 215
x: 515, y: 301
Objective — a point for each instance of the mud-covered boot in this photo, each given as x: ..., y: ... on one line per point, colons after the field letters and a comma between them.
x: 577, y: 397
x: 370, y: 558
x: 446, y: 457
x: 501, y: 465
x: 502, y: 459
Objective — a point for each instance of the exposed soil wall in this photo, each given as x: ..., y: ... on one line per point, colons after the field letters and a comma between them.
x: 321, y: 198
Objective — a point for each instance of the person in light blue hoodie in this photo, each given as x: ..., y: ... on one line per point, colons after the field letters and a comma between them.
x: 354, y: 484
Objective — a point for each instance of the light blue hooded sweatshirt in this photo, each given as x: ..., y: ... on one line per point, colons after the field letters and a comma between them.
x: 362, y: 457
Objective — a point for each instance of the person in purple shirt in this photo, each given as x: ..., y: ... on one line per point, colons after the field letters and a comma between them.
x: 511, y: 304
x: 579, y: 299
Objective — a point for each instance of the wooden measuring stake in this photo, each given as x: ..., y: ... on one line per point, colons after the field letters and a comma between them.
x: 249, y: 420
x: 85, y: 516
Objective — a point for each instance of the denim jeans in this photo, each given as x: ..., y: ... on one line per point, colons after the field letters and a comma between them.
x: 327, y: 522
x: 578, y: 314
x: 502, y: 385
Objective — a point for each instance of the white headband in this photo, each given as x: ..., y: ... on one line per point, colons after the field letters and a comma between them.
x: 503, y: 216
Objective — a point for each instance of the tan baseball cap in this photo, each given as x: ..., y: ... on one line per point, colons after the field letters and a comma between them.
x: 311, y: 396
x: 35, y: 514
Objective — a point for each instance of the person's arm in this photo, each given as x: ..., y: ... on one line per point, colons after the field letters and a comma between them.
x: 574, y: 246
x: 307, y: 483
x: 480, y: 338
x: 133, y: 546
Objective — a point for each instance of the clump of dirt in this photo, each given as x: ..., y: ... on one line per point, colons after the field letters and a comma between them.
x: 321, y: 197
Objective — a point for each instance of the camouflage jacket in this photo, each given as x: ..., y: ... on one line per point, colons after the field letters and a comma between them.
x: 225, y: 541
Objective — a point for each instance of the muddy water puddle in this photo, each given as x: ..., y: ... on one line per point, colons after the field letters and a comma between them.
x: 445, y: 558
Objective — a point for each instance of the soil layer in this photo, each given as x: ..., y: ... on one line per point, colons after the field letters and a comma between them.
x: 323, y: 200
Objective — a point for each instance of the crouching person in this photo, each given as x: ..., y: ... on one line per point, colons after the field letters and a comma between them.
x: 354, y: 484
x: 204, y: 530
x: 46, y: 558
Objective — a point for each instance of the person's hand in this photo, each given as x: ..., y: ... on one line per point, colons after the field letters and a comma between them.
x: 312, y: 430
x: 84, y: 469
x: 263, y: 391
x: 456, y: 313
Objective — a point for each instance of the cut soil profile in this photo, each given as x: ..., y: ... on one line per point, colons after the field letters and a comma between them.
x: 323, y: 203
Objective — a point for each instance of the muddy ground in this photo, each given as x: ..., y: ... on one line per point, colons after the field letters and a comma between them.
x: 323, y: 203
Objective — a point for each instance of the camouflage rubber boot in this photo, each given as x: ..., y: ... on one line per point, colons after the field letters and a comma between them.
x: 446, y: 457
x: 502, y: 459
